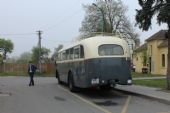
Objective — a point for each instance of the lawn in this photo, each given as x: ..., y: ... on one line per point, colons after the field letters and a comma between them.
x: 137, y: 75
x: 25, y: 74
x: 161, y: 83
x: 12, y: 74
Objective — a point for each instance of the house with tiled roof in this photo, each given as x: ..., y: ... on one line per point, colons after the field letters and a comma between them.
x: 156, y: 47
x: 139, y: 57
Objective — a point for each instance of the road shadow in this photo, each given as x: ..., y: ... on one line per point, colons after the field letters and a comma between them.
x: 100, y: 97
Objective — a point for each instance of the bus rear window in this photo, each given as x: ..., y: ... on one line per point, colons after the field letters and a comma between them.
x: 110, y: 49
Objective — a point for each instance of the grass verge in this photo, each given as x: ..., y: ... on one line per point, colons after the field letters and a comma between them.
x: 12, y: 74
x: 160, y: 83
x: 137, y: 75
x: 25, y: 74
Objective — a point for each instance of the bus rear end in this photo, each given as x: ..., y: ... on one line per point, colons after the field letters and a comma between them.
x: 108, y: 71
x: 111, y: 65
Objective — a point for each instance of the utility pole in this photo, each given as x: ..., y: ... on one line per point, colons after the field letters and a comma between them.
x: 4, y: 58
x: 39, y: 46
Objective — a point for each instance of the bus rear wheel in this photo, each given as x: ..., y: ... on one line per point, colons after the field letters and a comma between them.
x: 56, y: 73
x: 58, y: 76
x: 59, y: 81
x: 105, y: 87
x: 71, y: 84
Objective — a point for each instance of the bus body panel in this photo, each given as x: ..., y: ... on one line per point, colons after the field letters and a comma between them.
x: 109, y: 70
x: 76, y: 68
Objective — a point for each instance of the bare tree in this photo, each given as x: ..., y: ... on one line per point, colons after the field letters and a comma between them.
x: 109, y: 17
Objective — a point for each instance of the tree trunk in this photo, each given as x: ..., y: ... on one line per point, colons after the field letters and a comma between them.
x: 168, y: 68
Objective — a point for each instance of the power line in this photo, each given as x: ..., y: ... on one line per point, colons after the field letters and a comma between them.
x: 54, y: 41
x: 48, y: 28
x: 20, y: 34
x: 63, y: 20
x: 17, y: 37
x: 66, y: 18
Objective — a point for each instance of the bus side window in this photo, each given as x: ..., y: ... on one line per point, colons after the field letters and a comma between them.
x: 71, y: 54
x: 81, y: 51
x: 76, y: 52
x: 67, y: 54
x: 58, y: 57
x: 63, y: 55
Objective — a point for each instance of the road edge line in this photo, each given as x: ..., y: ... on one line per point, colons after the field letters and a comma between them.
x: 86, y: 101
x: 125, y: 107
x: 145, y: 96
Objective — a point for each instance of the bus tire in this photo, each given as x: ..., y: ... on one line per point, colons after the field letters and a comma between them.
x: 105, y: 87
x: 56, y: 73
x: 57, y: 76
x: 71, y: 83
x: 59, y: 81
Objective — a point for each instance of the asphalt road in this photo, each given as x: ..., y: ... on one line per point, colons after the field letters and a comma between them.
x: 49, y: 97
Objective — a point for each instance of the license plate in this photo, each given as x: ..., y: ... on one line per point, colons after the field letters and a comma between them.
x: 95, y: 81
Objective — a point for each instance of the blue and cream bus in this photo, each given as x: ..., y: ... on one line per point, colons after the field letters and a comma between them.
x: 100, y: 61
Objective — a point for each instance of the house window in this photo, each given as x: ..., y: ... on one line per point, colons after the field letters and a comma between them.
x: 163, y: 60
x: 167, y: 61
x: 151, y: 50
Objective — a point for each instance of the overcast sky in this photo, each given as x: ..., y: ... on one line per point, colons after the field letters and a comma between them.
x: 59, y: 20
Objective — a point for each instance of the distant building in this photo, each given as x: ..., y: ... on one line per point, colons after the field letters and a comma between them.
x: 156, y: 48
x: 139, y: 57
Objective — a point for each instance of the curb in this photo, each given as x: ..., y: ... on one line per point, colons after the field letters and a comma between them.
x: 161, y: 100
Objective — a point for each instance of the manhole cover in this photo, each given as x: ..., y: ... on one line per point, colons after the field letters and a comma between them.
x: 106, y: 103
x: 5, y: 94
x: 59, y: 98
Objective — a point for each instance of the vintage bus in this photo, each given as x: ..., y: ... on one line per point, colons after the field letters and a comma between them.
x: 100, y: 61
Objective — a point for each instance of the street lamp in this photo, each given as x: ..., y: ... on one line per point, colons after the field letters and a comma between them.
x: 101, y: 10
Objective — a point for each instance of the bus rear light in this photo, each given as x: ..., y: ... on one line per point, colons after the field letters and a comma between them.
x: 129, y: 81
x: 103, y: 81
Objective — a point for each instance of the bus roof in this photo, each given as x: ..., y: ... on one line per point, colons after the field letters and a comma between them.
x: 91, y: 45
x: 92, y: 40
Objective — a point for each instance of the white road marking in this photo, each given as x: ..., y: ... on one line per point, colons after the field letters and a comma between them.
x: 125, y: 108
x: 86, y: 101
x: 165, y: 112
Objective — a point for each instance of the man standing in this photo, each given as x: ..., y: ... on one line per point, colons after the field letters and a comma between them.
x: 31, y: 71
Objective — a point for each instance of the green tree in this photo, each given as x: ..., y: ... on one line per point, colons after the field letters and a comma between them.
x: 1, y: 58
x: 160, y: 8
x: 54, y: 56
x: 7, y: 46
x: 24, y: 57
x: 107, y: 16
x: 44, y: 54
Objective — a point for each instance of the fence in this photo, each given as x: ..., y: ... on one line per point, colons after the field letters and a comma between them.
x: 22, y: 68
